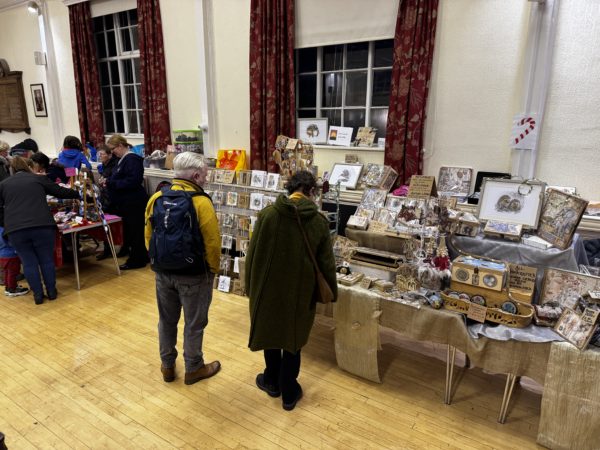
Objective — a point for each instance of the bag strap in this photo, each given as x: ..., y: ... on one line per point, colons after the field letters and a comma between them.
x: 312, y: 256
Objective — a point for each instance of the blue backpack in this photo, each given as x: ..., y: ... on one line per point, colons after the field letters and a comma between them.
x: 176, y: 245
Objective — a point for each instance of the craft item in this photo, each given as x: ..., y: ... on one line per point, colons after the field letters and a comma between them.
x: 229, y: 220
x: 351, y: 278
x: 209, y: 175
x: 509, y: 231
x: 477, y: 312
x: 224, y: 283
x: 479, y: 272
x: 366, y: 282
x: 565, y: 288
x: 237, y: 288
x: 351, y: 159
x: 383, y: 286
x: 365, y: 136
x: 521, y: 282
x: 340, y: 135
x: 256, y: 201
x: 228, y: 176
x: 281, y: 142
x: 509, y: 307
x: 478, y: 299
x: 380, y: 176
x: 394, y: 203
x: 373, y: 198
x: 407, y: 278
x: 218, y: 197
x: 292, y: 144
x: 227, y: 241
x: 386, y: 216
x: 241, y: 244
x: 232, y: 199
x: 218, y: 175
x: 536, y: 242
x: 377, y: 257
x: 358, y: 222
x: 258, y: 178
x: 346, y: 175
x: 272, y: 181
x: 365, y: 211
x: 377, y: 227
x: 577, y: 328
x: 243, y: 200
x: 455, y: 181
x: 524, y: 132
x: 422, y: 186
x: 268, y: 200
x: 244, y: 177
x: 561, y: 215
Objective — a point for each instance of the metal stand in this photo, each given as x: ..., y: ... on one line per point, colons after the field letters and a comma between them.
x: 508, y: 390
x: 450, y: 358
x: 75, y: 260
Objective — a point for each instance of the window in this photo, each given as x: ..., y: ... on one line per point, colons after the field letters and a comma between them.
x: 117, y: 44
x: 347, y: 83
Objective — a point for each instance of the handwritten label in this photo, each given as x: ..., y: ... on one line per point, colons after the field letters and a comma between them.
x: 522, y: 277
x: 422, y: 186
x: 476, y: 312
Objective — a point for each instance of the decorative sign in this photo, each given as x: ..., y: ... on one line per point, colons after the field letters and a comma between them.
x: 422, y: 186
x: 224, y: 283
x: 522, y: 277
x: 340, y: 136
x: 524, y: 132
x: 13, y: 110
x: 476, y: 312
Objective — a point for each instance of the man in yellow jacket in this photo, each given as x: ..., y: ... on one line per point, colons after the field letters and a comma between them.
x: 190, y: 289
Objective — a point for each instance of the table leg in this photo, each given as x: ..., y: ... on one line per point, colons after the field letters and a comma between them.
x: 450, y: 358
x: 508, y: 390
x: 111, y: 245
x: 75, y: 260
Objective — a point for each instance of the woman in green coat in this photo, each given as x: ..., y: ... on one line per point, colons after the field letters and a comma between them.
x: 280, y: 278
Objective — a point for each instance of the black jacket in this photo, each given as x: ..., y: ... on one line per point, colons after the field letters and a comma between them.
x: 126, y: 182
x: 110, y: 166
x: 23, y: 201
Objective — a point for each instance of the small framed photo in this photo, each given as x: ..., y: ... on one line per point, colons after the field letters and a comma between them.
x: 243, y: 200
x: 345, y: 174
x: 229, y: 220
x: 511, y: 201
x: 39, y: 100
x: 365, y: 136
x: 560, y: 217
x: 227, y: 241
x: 232, y: 199
x: 340, y: 136
x: 258, y: 178
x: 272, y: 181
x: 256, y: 201
x: 244, y: 177
x: 565, y: 288
x: 312, y: 130
x: 577, y: 328
x: 455, y: 181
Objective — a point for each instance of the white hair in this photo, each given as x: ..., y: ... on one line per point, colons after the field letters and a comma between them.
x: 186, y: 163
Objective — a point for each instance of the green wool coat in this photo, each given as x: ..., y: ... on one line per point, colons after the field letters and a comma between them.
x: 280, y: 276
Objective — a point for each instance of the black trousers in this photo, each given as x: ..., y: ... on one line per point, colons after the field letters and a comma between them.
x: 133, y: 232
x: 282, y: 369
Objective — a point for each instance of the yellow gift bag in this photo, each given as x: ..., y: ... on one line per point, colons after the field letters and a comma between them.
x: 231, y: 159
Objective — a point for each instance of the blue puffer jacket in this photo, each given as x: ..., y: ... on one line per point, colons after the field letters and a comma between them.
x: 72, y: 157
x: 6, y: 251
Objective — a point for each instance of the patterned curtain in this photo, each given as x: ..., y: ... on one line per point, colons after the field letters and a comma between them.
x: 413, y: 55
x: 272, y: 87
x: 87, y: 79
x: 155, y: 105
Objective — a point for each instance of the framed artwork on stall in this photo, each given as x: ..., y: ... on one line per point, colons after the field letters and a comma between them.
x: 577, y: 328
x: 345, y: 174
x: 312, y: 130
x: 564, y: 288
x: 511, y: 201
x: 258, y: 178
x: 560, y: 217
x: 455, y: 181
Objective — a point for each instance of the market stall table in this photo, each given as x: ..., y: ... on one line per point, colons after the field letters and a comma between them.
x: 93, y: 227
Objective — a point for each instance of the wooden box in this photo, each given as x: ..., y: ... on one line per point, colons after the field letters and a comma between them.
x: 479, y: 272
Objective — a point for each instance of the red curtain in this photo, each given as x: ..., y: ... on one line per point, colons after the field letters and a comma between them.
x: 272, y: 86
x: 155, y: 105
x: 413, y: 55
x: 87, y: 79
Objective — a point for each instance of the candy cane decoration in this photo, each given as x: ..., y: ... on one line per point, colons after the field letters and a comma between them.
x: 527, y: 130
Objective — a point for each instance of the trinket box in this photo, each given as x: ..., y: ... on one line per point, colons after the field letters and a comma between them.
x: 358, y: 222
x: 377, y: 257
x: 479, y: 272
x: 503, y: 230
x: 351, y: 278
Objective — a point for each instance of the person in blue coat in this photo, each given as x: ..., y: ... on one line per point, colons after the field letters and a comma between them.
x: 72, y: 154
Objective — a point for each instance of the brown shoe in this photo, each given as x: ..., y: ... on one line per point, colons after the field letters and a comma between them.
x: 206, y: 371
x: 168, y: 373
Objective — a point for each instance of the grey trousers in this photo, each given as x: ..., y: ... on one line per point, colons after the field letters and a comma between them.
x: 193, y: 293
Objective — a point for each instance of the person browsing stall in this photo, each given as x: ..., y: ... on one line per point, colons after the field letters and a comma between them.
x: 72, y: 154
x: 182, y: 236
x: 29, y: 224
x: 108, y: 163
x: 280, y: 278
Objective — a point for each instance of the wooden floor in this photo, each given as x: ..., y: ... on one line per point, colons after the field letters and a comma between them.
x: 83, y: 371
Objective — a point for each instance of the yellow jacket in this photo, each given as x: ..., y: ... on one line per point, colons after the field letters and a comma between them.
x: 209, y: 226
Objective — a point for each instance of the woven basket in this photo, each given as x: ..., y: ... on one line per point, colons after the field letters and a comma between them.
x: 494, y: 312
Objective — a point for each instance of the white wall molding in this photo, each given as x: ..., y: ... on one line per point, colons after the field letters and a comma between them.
x: 5, y: 5
x: 204, y: 34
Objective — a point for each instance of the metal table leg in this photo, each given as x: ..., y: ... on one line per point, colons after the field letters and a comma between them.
x: 75, y: 260
x: 508, y: 390
x: 450, y: 358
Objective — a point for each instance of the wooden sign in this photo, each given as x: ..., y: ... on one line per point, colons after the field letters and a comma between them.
x: 522, y: 277
x: 422, y: 186
x: 13, y: 110
x: 477, y: 312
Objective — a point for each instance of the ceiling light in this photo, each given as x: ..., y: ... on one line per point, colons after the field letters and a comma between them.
x: 33, y: 8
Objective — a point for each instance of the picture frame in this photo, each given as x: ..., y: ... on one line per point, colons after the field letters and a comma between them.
x: 564, y: 288
x: 313, y: 130
x: 577, y: 328
x: 374, y: 198
x: 365, y: 136
x: 560, y: 216
x: 511, y: 201
x: 244, y: 177
x: 39, y: 100
x: 232, y: 198
x: 256, y: 201
x: 340, y: 136
x: 455, y: 181
x: 272, y: 181
x: 227, y: 241
x: 346, y: 174
x: 258, y: 178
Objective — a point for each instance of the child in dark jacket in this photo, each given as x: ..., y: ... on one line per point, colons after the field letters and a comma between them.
x: 11, y: 264
x: 72, y: 154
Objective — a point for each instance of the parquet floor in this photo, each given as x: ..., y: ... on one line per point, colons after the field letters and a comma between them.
x: 83, y: 372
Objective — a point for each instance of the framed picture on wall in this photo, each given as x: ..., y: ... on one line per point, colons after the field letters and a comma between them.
x: 312, y: 130
x: 39, y: 100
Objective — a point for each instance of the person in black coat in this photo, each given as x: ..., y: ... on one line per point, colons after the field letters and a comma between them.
x: 28, y: 222
x: 108, y: 163
x: 128, y: 199
x: 42, y: 166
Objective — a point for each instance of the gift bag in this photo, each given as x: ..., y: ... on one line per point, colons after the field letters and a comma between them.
x: 231, y: 160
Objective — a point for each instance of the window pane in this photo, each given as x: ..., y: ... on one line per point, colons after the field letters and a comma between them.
x: 133, y: 122
x: 333, y: 56
x: 117, y: 97
x: 130, y: 97
x: 126, y: 40
x: 108, y: 22
x: 104, y: 78
x: 136, y: 69
x: 100, y: 45
x: 112, y: 44
x: 134, y: 38
x: 356, y: 88
x: 114, y: 73
x: 307, y: 60
x: 141, y: 121
x: 109, y: 123
x: 354, y: 118
x: 307, y: 91
x: 384, y: 52
x: 127, y: 71
x: 357, y: 55
x: 106, y: 99
x: 120, y: 122
x: 123, y: 21
x: 138, y: 88
x: 381, y: 87
x: 334, y: 116
x: 332, y: 90
x: 98, y: 24
x: 307, y: 113
x: 379, y: 121
x: 133, y: 16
